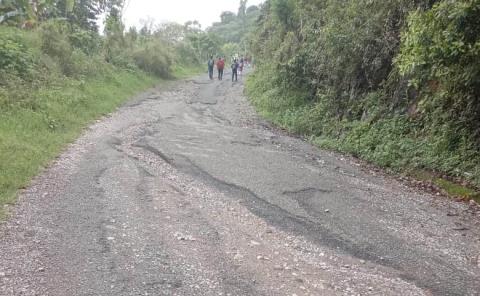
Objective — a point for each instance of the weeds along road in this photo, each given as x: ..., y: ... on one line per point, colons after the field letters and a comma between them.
x: 187, y: 192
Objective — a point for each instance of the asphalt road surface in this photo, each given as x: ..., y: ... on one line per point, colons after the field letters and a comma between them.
x: 186, y: 191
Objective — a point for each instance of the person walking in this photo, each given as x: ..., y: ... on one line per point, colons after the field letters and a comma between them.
x: 220, y: 67
x: 235, y: 70
x: 211, y: 64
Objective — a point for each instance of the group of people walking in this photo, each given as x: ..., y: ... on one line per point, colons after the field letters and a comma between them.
x: 236, y: 66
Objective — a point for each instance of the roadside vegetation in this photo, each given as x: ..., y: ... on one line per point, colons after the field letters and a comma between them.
x: 396, y: 83
x: 58, y: 72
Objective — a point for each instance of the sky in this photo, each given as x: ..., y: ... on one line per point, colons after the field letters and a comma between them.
x: 180, y: 11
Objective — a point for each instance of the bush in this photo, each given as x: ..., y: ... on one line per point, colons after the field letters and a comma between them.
x: 56, y: 44
x: 15, y: 57
x: 85, y: 65
x: 154, y: 58
x: 441, y: 55
x: 87, y: 41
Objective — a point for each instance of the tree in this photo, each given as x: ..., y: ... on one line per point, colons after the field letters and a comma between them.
x: 227, y: 17
x: 170, y: 32
x: 27, y: 13
x: 148, y: 25
x: 114, y: 30
x: 242, y: 15
x: 242, y: 9
x: 252, y: 9
x: 284, y: 11
x: 233, y: 28
x: 85, y: 14
x: 11, y: 11
x: 193, y: 26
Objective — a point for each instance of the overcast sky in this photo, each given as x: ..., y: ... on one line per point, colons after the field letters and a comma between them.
x: 205, y: 11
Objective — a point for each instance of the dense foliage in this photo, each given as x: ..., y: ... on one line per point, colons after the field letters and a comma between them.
x: 233, y: 28
x: 394, y: 82
x: 440, y: 54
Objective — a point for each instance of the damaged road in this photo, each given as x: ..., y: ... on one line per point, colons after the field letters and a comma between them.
x: 186, y: 191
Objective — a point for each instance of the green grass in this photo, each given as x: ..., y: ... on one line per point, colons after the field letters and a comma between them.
x: 180, y: 71
x: 31, y: 135
x: 452, y: 189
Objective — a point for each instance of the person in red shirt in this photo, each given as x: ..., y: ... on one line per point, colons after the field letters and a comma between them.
x: 220, y: 67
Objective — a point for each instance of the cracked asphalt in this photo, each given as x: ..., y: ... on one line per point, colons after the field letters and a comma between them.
x: 186, y: 191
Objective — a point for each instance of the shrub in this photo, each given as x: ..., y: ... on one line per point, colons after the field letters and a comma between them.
x: 56, y: 44
x: 440, y: 53
x: 15, y: 57
x: 87, y: 41
x: 154, y: 58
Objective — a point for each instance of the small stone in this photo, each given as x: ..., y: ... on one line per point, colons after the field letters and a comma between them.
x: 327, y: 211
x: 370, y: 288
x: 254, y: 243
x: 363, y: 261
x: 182, y: 237
x: 41, y: 269
x: 278, y: 267
x: 2, y: 274
x: 238, y: 257
x: 110, y: 238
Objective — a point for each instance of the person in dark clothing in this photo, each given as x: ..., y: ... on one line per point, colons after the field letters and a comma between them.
x: 235, y: 70
x: 211, y: 64
x: 220, y: 67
